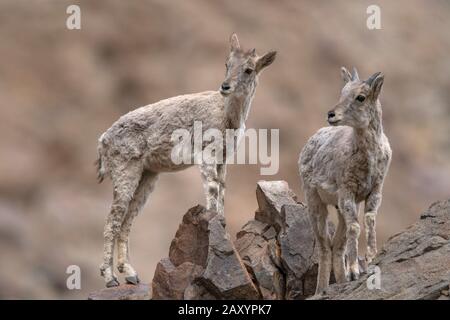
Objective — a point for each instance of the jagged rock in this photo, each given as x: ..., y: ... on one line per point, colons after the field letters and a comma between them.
x: 225, y: 275
x: 271, y: 196
x: 123, y: 292
x: 278, y: 247
x: 171, y: 281
x: 275, y: 257
x: 414, y: 264
x: 298, y: 252
x: 202, y: 263
x: 257, y: 246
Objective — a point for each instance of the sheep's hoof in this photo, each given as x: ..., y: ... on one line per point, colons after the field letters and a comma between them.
x: 354, y: 275
x: 132, y: 280
x: 112, y: 283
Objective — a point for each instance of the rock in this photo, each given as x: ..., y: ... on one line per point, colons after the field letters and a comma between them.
x: 298, y: 252
x: 225, y: 275
x: 171, y: 281
x: 275, y: 257
x: 123, y: 292
x: 271, y: 196
x: 278, y: 247
x: 202, y: 263
x: 413, y: 264
x: 191, y: 240
x: 257, y: 246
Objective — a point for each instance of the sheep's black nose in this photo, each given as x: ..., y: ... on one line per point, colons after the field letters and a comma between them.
x: 331, y: 114
x: 225, y: 86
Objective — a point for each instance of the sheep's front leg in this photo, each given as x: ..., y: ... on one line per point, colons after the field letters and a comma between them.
x: 348, y: 208
x: 221, y: 173
x: 372, y: 204
x: 339, y: 245
x: 318, y: 215
x: 211, y: 185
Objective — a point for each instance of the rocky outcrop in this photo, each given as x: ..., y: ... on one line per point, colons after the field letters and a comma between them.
x: 202, y: 263
x: 413, y: 264
x: 274, y: 256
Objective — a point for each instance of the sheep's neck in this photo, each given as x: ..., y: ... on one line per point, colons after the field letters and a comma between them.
x: 368, y: 139
x: 237, y: 108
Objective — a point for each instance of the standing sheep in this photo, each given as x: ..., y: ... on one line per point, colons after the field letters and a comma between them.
x: 139, y: 146
x: 343, y: 165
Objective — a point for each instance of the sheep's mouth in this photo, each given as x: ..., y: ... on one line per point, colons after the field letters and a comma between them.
x: 225, y: 92
x: 333, y: 122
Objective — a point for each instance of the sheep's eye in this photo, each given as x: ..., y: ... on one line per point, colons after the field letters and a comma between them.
x: 248, y: 71
x: 360, y: 98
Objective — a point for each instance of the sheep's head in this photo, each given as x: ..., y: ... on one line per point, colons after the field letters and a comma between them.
x: 358, y: 102
x: 243, y: 68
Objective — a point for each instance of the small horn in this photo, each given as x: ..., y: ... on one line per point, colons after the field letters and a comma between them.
x: 355, y: 75
x: 253, y: 52
x: 372, y: 78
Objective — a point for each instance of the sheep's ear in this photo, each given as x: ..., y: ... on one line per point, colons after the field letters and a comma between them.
x: 375, y: 82
x: 346, y: 76
x: 234, y: 42
x: 265, y: 61
x: 355, y: 75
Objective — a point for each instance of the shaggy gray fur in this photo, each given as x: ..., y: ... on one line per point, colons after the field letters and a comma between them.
x: 343, y: 165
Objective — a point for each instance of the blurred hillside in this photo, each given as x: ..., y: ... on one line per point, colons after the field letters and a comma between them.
x: 61, y: 89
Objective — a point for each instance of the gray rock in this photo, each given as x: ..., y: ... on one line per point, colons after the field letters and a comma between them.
x: 413, y: 264
x: 271, y: 196
x: 278, y: 247
x: 298, y: 253
x: 225, y: 275
x: 123, y: 292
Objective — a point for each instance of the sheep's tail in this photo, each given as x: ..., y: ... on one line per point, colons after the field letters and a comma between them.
x: 101, y: 170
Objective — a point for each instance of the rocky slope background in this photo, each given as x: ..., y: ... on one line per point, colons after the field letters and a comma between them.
x: 274, y: 256
x: 61, y: 89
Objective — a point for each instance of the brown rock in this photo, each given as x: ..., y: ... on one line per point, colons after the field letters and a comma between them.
x: 202, y: 263
x: 191, y: 239
x: 170, y: 282
x: 257, y: 246
x: 123, y: 292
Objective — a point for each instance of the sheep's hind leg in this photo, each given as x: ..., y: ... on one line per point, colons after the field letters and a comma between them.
x: 144, y: 189
x: 221, y: 173
x: 125, y: 181
x: 211, y: 186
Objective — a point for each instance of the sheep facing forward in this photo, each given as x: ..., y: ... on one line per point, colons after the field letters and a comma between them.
x: 344, y: 165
